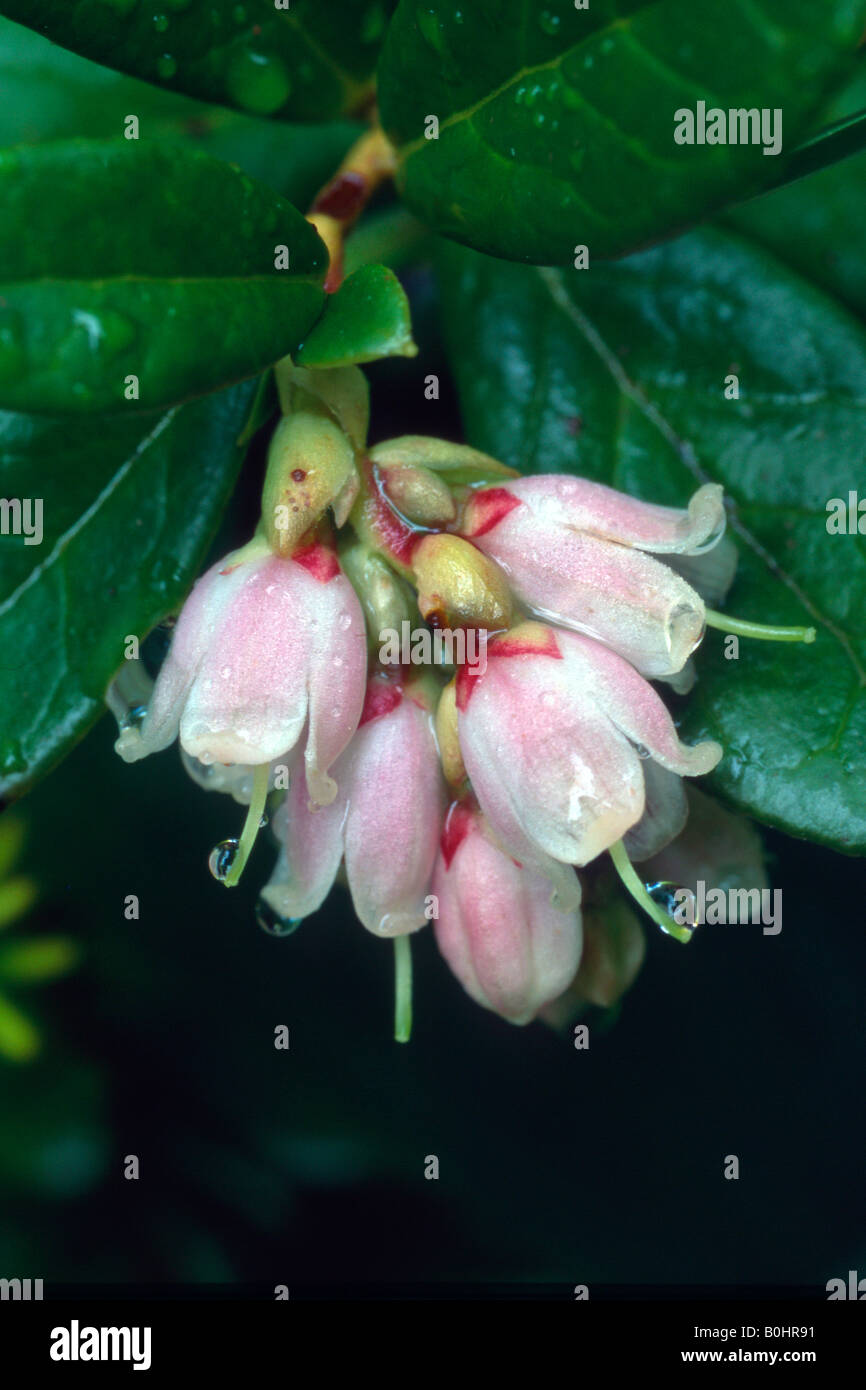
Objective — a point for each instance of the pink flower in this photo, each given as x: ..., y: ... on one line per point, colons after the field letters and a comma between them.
x: 265, y: 646
x: 510, y: 946
x: 580, y: 554
x: 555, y: 734
x: 385, y: 820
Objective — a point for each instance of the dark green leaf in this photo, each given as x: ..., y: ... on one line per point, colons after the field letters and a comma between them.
x: 556, y: 125
x: 303, y: 61
x: 366, y: 319
x: 129, y: 507
x: 48, y: 92
x: 618, y: 373
x: 120, y: 260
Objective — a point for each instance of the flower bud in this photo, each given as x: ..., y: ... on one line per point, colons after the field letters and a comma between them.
x: 448, y: 737
x: 463, y: 466
x: 311, y: 466
x: 385, y: 598
x: 418, y: 494
x: 343, y: 391
x: 458, y: 586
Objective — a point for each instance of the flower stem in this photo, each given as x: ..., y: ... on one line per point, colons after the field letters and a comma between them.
x: 742, y: 628
x: 251, y: 824
x: 625, y: 869
x: 402, y: 989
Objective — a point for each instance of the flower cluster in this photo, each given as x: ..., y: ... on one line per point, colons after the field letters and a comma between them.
x: 468, y: 798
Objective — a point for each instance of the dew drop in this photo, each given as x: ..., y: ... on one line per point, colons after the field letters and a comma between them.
x: 160, y: 23
x: 344, y: 622
x: 166, y: 66
x: 258, y: 82
x: 221, y: 859
x: 225, y: 672
x: 134, y: 717
x: 641, y: 751
x: 664, y: 894
x: 270, y: 920
x: 548, y: 22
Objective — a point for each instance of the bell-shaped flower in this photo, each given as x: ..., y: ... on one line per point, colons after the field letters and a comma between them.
x: 265, y: 646
x: 555, y: 734
x: 508, y: 942
x: 583, y: 555
x: 385, y: 821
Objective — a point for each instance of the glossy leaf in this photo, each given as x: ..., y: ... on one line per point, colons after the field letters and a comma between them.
x: 367, y: 318
x: 48, y: 92
x: 303, y: 61
x: 556, y: 125
x: 129, y: 506
x: 134, y: 276
x: 618, y: 373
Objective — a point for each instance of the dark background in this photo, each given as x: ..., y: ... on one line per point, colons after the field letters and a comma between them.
x: 306, y: 1167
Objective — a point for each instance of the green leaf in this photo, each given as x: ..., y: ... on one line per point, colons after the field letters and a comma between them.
x: 556, y: 125
x: 618, y: 373
x: 129, y: 508
x: 152, y: 264
x: 306, y: 61
x: 47, y: 92
x: 367, y: 318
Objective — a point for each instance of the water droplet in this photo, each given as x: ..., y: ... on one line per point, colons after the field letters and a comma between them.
x: 134, y: 717
x: 160, y: 23
x: 258, y: 82
x: 429, y: 24
x: 338, y: 661
x: 270, y: 920
x: 664, y: 894
x: 344, y: 622
x: 548, y: 22
x: 221, y: 859
x: 166, y: 66
x: 538, y: 119
x: 263, y: 822
x: 641, y: 751
x: 225, y: 672
x: 206, y: 758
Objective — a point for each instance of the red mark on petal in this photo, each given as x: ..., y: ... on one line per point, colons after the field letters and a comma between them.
x: 319, y: 561
x: 298, y: 475
x: 488, y: 508
x: 383, y: 696
x: 458, y: 824
x: 393, y: 533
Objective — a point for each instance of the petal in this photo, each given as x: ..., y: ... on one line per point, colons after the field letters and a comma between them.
x: 551, y: 772
x: 665, y: 812
x: 710, y: 575
x: 511, y: 949
x: 338, y: 675
x: 312, y: 847
x: 632, y: 705
x: 396, y: 807
x: 248, y: 701
x: 597, y: 510
x: 635, y: 604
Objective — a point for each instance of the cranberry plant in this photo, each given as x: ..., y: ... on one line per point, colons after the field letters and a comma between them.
x: 629, y: 216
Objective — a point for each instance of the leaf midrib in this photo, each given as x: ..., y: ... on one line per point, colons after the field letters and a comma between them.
x: 589, y: 332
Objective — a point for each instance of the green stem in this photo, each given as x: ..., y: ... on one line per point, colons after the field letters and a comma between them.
x: 402, y: 989
x: 251, y: 824
x: 625, y: 869
x: 742, y: 628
